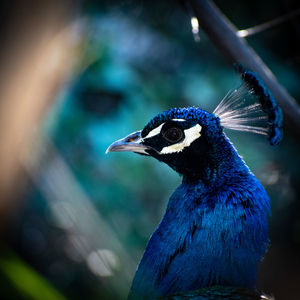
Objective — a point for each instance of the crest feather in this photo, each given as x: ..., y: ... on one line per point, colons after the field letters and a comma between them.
x: 251, y: 107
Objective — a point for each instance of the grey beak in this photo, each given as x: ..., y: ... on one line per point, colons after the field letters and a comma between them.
x: 132, y: 142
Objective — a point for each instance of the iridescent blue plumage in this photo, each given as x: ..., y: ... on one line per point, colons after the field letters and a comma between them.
x: 219, y: 293
x: 214, y: 231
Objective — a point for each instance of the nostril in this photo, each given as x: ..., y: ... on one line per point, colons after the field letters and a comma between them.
x: 133, y: 138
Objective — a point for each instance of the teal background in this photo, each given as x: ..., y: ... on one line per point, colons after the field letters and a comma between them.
x: 87, y: 216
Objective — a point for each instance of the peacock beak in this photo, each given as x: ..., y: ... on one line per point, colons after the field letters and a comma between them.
x: 132, y: 142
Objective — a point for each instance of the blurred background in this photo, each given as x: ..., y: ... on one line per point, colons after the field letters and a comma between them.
x: 77, y: 75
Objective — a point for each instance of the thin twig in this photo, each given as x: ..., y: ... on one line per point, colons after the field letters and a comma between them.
x: 267, y: 25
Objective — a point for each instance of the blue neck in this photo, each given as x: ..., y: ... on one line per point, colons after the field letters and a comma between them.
x: 214, y: 232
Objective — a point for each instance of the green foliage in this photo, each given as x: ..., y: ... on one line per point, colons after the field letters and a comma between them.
x: 22, y: 282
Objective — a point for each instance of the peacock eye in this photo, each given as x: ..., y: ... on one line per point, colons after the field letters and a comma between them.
x: 173, y: 135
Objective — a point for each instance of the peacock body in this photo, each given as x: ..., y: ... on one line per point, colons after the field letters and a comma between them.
x: 214, y: 232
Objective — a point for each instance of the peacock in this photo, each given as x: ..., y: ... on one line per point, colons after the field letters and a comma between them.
x: 214, y: 232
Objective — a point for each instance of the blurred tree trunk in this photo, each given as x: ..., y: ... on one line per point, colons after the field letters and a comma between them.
x: 35, y: 58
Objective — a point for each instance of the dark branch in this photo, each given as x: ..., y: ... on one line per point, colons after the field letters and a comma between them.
x: 223, y: 34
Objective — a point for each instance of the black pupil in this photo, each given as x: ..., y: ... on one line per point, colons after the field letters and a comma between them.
x: 173, y: 134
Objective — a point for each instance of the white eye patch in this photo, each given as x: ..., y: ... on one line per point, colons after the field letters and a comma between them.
x: 157, y: 130
x: 191, y: 134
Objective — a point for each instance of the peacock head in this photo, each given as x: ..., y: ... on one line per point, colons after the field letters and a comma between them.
x: 192, y: 141
x: 180, y: 137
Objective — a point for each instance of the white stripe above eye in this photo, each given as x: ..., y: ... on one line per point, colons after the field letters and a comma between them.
x: 157, y: 130
x: 179, y: 120
x: 154, y: 131
x: 191, y: 134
